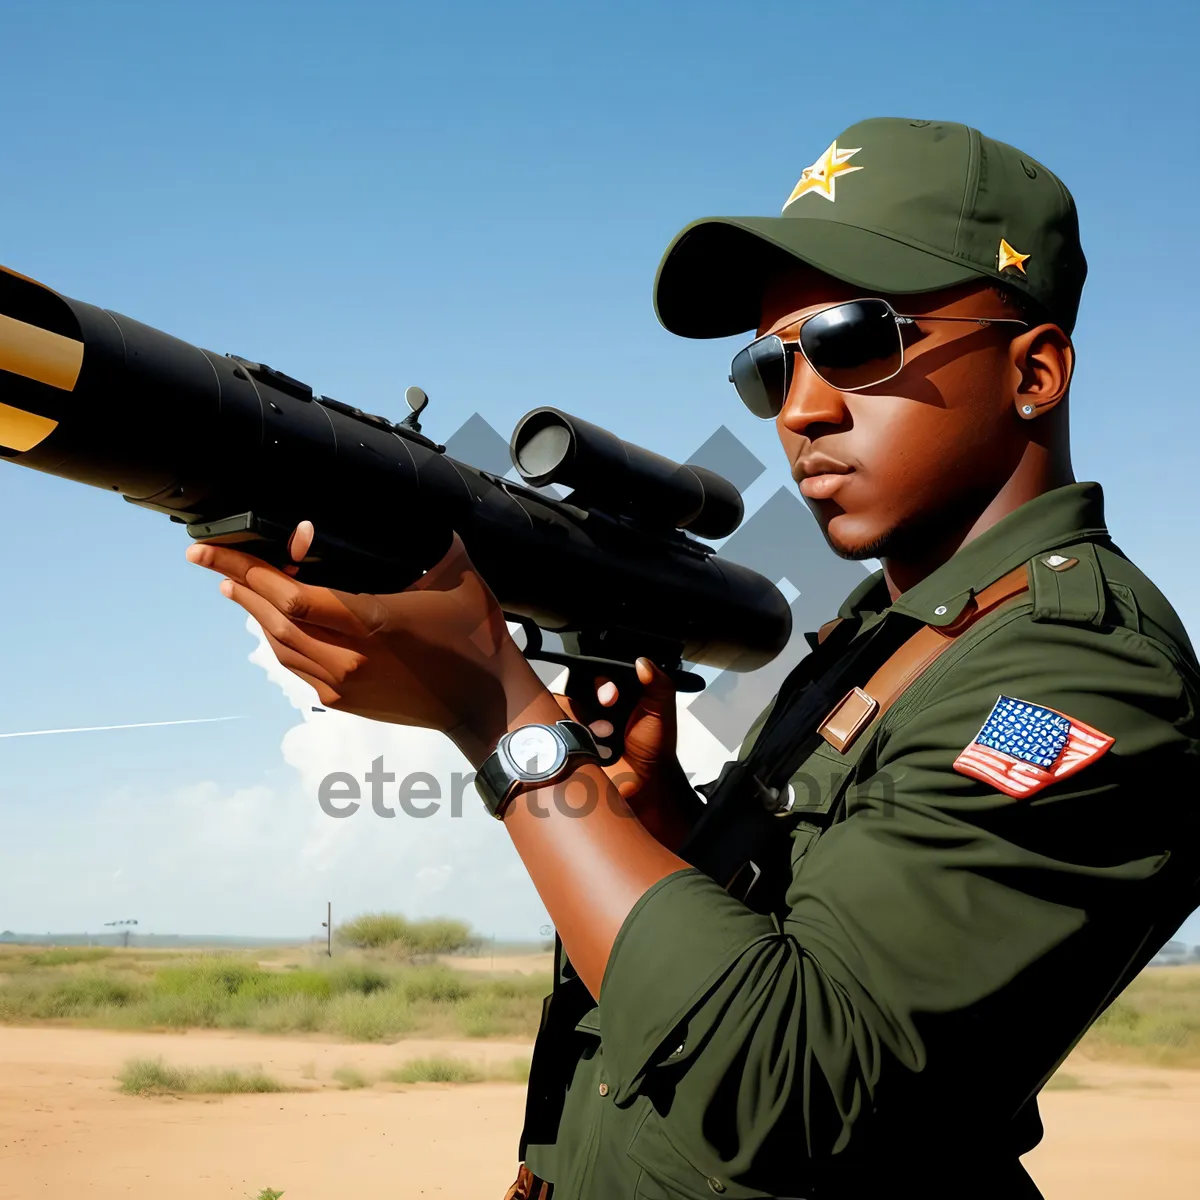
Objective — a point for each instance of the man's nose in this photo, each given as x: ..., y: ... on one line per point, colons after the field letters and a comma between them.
x: 810, y: 401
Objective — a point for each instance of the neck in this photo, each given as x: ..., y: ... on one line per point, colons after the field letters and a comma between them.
x: 1040, y: 470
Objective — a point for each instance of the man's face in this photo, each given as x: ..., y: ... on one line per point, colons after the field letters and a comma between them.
x: 890, y: 469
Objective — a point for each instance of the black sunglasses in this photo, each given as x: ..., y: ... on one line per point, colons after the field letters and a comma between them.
x: 850, y: 346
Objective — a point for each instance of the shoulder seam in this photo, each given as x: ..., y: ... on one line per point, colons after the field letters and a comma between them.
x: 910, y: 702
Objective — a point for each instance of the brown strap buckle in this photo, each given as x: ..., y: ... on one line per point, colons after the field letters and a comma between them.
x: 850, y: 716
x: 860, y: 706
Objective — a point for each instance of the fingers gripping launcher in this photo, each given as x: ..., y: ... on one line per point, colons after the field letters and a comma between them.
x: 239, y: 453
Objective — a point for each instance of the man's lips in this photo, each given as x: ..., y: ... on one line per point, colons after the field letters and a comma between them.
x: 820, y: 476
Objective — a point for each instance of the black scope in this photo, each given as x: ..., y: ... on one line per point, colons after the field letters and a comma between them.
x: 551, y: 446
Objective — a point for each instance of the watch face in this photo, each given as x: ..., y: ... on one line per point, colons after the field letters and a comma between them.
x: 535, y: 750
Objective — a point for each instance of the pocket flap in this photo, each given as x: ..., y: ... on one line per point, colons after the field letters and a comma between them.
x: 590, y: 1021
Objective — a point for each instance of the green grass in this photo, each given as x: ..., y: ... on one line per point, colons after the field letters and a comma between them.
x: 435, y: 1070
x: 363, y: 998
x: 372, y: 996
x: 1064, y: 1083
x: 152, y: 1077
x: 515, y: 1071
x: 63, y: 956
x: 1155, y: 1020
x: 350, y: 1077
x: 457, y: 1070
x: 268, y: 1194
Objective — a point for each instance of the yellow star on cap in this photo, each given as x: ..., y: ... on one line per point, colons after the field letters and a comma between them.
x: 821, y: 177
x: 1008, y: 257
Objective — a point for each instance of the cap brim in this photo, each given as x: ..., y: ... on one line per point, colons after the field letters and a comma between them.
x: 710, y: 281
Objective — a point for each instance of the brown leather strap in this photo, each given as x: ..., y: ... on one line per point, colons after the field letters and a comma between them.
x: 862, y: 706
x: 527, y: 1186
x: 827, y: 629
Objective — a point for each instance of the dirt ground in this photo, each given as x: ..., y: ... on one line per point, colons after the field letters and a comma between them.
x: 66, y: 1132
x: 501, y: 964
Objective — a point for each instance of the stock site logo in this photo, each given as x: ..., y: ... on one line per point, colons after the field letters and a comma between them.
x: 779, y: 540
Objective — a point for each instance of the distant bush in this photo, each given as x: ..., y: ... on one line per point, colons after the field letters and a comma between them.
x: 435, y: 1070
x: 374, y: 931
x: 152, y: 1077
x: 411, y: 939
x: 457, y: 1070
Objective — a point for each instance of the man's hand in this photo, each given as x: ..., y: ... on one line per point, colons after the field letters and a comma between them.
x: 436, y: 655
x: 648, y: 774
x: 439, y: 655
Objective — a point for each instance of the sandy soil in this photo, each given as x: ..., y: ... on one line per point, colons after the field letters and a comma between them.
x: 501, y: 964
x: 65, y: 1130
x: 1128, y: 1131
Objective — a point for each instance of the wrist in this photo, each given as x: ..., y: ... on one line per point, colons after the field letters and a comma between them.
x: 526, y: 700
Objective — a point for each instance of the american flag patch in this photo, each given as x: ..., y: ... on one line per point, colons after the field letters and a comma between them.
x: 1025, y: 747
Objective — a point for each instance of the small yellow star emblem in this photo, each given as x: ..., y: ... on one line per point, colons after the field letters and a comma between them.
x: 1008, y: 257
x: 821, y: 177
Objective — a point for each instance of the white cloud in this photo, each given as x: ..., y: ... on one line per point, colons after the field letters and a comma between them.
x: 459, y: 865
x: 262, y: 858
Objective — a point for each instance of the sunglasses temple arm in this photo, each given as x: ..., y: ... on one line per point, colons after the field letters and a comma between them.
x: 972, y: 320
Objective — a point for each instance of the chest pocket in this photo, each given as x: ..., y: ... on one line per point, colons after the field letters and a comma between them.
x: 817, y: 788
x: 667, y: 1174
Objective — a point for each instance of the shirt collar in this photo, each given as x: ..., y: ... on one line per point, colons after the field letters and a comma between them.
x: 1068, y: 514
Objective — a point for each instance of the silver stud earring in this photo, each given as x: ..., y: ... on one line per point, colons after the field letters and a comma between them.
x: 1027, y: 409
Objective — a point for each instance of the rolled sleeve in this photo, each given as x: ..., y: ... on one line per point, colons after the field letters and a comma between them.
x: 943, y: 939
x: 678, y: 942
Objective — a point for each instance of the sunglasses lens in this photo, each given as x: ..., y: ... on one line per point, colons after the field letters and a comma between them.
x: 759, y: 373
x: 853, y: 345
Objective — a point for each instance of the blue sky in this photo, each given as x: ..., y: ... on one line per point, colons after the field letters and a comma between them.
x: 474, y: 198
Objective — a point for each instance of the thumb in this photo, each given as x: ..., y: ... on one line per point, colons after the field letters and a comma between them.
x: 658, y: 691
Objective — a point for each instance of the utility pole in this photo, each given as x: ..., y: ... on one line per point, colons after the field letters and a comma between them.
x: 328, y: 923
x: 125, y: 930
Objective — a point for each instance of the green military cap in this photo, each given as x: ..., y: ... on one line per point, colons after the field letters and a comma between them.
x: 893, y: 206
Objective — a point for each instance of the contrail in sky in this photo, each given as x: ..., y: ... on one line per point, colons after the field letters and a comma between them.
x: 97, y: 728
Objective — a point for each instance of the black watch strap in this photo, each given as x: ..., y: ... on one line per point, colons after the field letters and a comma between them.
x: 500, y: 779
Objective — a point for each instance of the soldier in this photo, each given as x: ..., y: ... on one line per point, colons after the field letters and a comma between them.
x: 991, y: 831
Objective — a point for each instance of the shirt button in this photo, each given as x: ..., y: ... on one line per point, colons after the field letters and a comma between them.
x: 716, y: 1185
x: 940, y: 611
x: 603, y: 1089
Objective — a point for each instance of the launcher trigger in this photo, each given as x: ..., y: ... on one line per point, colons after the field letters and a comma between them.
x: 247, y: 531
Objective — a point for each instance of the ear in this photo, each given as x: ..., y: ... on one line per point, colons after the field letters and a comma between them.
x: 1043, y: 360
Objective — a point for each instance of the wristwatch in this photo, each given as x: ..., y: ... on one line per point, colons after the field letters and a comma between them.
x: 530, y: 757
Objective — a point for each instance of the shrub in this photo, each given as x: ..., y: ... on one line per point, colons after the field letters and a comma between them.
x: 152, y: 1077
x: 390, y: 931
x: 350, y: 1077
x: 435, y: 1070
x: 373, y: 931
x: 457, y: 1070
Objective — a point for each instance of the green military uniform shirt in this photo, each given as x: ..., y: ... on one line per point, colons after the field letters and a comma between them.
x: 942, y: 944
